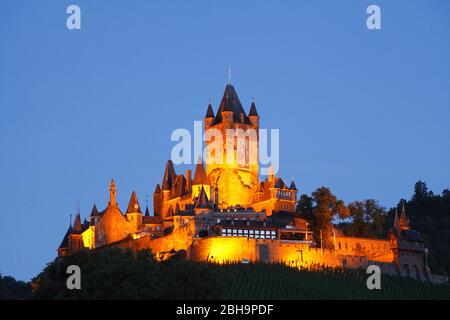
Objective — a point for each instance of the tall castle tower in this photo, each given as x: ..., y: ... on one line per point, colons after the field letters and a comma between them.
x: 234, y: 174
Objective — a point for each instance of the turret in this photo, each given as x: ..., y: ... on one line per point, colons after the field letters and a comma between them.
x: 157, y: 200
x: 209, y: 117
x: 93, y: 218
x: 168, y: 180
x: 253, y: 115
x: 134, y: 213
x: 75, y: 238
x: 112, y: 194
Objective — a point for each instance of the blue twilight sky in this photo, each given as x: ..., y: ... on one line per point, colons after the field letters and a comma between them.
x: 365, y: 113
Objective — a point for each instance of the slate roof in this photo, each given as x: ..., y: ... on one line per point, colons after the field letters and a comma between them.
x: 94, y: 211
x: 253, y: 111
x: 230, y: 102
x: 293, y: 186
x: 133, y: 205
x: 65, y: 241
x: 169, y: 176
x: 209, y: 112
x: 279, y: 183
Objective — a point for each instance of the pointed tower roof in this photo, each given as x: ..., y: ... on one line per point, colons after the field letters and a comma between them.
x: 230, y: 102
x: 169, y: 176
x: 253, y: 111
x: 200, y: 176
x: 65, y: 240
x: 293, y: 187
x: 77, y: 223
x: 94, y: 212
x: 158, y: 188
x: 279, y: 183
x: 133, y: 206
x: 404, y: 222
x: 209, y: 112
x: 112, y: 193
x: 202, y: 201
x: 396, y: 221
x: 147, y: 212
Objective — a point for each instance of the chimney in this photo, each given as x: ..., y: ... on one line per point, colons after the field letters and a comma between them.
x: 188, y: 180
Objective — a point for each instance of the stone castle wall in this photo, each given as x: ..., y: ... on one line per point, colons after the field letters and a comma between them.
x: 238, y: 249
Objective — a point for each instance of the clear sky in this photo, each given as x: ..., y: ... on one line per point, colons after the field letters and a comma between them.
x: 365, y: 113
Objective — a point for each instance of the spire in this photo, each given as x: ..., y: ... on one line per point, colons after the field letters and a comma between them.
x: 293, y: 186
x: 169, y: 176
x: 404, y: 222
x: 396, y: 222
x: 147, y: 212
x: 158, y: 188
x: 133, y: 206
x: 94, y: 211
x: 209, y: 112
x: 200, y: 176
x: 230, y: 102
x: 77, y: 223
x: 253, y: 112
x: 229, y: 74
x: 65, y: 241
x: 112, y: 193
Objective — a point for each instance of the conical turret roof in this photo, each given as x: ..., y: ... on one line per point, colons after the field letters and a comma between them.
x: 209, y: 112
x: 133, y: 205
x: 230, y: 102
x: 253, y: 111
x: 94, y: 212
x: 77, y: 223
x: 169, y: 176
x: 200, y: 176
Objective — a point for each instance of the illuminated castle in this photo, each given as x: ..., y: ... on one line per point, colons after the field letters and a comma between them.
x: 227, y: 183
x: 225, y: 213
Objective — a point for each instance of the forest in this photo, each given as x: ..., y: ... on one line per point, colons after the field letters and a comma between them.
x: 427, y: 212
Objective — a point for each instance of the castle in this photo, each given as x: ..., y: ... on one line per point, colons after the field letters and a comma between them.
x: 225, y: 213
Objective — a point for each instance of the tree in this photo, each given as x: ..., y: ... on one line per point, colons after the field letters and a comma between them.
x: 11, y: 289
x: 421, y: 191
x: 305, y: 206
x: 368, y: 219
x: 326, y: 208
